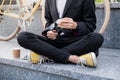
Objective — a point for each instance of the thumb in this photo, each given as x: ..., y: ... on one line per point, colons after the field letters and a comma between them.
x: 54, y: 31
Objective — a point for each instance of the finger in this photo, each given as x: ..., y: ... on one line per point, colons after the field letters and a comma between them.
x: 49, y: 32
x: 54, y: 31
x: 67, y: 25
x: 51, y: 37
x: 48, y: 35
x: 68, y: 19
x: 65, y: 21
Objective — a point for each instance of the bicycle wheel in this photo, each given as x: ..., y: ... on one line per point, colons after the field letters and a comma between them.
x: 8, y: 21
x: 107, y: 16
x: 23, y: 15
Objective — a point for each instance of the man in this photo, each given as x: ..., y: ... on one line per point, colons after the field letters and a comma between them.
x: 68, y: 37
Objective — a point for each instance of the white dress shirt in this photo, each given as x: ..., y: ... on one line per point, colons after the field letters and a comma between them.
x: 60, y: 7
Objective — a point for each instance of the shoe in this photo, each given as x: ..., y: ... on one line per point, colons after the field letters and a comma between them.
x: 36, y: 58
x: 88, y: 60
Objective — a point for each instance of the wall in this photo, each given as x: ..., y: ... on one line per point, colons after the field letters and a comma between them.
x: 111, y: 35
x: 8, y: 24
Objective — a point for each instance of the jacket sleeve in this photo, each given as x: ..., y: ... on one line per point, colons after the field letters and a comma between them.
x: 89, y: 18
x: 48, y: 18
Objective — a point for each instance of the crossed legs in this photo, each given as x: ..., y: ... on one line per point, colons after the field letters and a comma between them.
x: 60, y: 51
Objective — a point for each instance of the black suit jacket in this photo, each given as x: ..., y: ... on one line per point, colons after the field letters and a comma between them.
x: 81, y: 11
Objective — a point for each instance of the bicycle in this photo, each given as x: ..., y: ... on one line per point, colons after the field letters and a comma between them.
x: 25, y: 16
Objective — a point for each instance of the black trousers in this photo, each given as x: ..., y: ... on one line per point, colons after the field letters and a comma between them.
x: 59, y: 50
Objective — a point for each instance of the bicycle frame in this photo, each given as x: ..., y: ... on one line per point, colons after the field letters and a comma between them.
x: 22, y: 2
x: 24, y: 17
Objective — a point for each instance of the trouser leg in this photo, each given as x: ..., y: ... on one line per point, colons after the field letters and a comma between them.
x: 49, y: 48
x: 42, y: 46
x: 89, y: 43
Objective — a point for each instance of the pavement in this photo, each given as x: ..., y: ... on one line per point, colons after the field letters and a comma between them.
x: 108, y: 62
x: 6, y: 48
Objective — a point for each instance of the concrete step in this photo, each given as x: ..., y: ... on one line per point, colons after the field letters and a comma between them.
x: 19, y: 69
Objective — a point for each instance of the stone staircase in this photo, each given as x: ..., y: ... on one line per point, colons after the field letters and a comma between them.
x: 19, y: 69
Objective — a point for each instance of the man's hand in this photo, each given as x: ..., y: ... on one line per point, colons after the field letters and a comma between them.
x: 52, y: 34
x: 67, y: 23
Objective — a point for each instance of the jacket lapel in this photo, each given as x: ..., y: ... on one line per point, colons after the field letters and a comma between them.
x: 55, y: 11
x: 68, y: 3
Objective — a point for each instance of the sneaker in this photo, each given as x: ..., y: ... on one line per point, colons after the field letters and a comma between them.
x: 36, y: 58
x: 88, y: 60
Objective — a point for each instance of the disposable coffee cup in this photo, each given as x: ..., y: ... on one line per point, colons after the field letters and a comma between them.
x: 16, y: 52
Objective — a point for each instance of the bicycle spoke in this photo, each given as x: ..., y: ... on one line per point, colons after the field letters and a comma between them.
x: 24, y: 16
x: 8, y: 10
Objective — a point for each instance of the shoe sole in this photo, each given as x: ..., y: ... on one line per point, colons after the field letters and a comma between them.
x: 94, y: 59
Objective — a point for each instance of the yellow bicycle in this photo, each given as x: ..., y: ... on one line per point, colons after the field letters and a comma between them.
x: 24, y: 16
